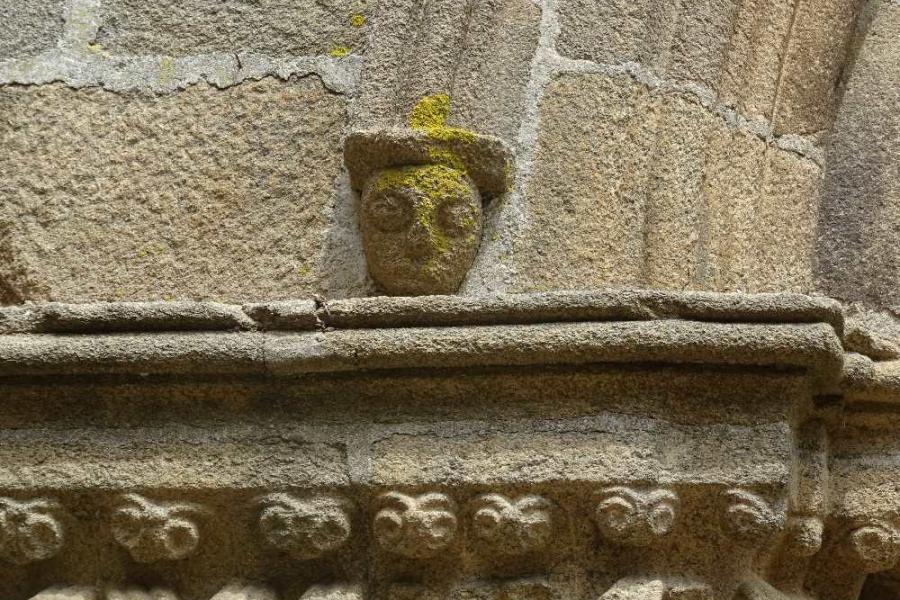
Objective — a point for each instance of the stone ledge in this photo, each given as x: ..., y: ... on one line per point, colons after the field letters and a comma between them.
x: 811, y: 346
x: 871, y: 381
x: 431, y: 311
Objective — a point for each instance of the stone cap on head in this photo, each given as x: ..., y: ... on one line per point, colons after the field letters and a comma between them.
x: 485, y: 159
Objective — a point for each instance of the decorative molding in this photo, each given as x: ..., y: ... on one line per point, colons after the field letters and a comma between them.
x: 512, y: 526
x: 415, y: 526
x: 803, y: 536
x: 634, y: 517
x: 156, y: 531
x: 305, y: 527
x: 29, y: 530
x: 749, y: 518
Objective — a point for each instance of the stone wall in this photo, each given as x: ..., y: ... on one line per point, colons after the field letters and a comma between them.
x: 191, y: 150
x: 457, y: 299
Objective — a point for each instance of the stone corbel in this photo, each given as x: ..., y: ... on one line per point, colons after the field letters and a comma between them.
x: 421, y: 213
x: 855, y: 552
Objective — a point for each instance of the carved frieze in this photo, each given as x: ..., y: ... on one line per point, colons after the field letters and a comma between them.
x: 305, y: 527
x: 512, y: 526
x: 29, y: 530
x: 749, y: 518
x: 415, y: 526
x: 635, y: 517
x: 154, y: 531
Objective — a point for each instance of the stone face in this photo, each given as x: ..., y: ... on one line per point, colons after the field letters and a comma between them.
x: 274, y: 27
x: 858, y: 254
x: 201, y: 194
x: 29, y: 28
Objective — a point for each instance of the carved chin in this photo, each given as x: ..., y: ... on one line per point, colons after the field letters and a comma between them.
x: 402, y: 275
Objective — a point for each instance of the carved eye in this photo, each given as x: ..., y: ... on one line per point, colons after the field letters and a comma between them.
x: 391, y: 210
x: 457, y: 217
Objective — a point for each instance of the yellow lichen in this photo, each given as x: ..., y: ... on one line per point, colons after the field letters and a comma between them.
x: 430, y: 111
x: 166, y: 70
x: 434, y: 183
x: 430, y: 115
x: 303, y: 270
x: 443, y: 156
x: 339, y: 51
x: 358, y: 20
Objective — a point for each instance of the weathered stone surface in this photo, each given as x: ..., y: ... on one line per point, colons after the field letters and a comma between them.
x: 652, y: 189
x: 586, y: 197
x: 817, y: 50
x: 776, y: 60
x: 784, y: 223
x: 731, y: 190
x: 274, y: 27
x: 674, y: 240
x: 858, y: 254
x: 203, y: 194
x: 125, y: 459
x: 755, y: 55
x: 478, y: 52
x: 29, y: 28
x: 604, y: 450
x: 615, y: 32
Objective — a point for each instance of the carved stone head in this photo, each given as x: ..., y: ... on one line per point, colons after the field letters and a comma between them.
x: 422, y: 191
x: 421, y: 227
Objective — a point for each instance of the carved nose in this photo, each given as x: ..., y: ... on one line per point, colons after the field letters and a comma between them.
x: 418, y: 240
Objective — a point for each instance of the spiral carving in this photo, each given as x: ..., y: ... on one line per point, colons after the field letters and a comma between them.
x: 635, y: 518
x: 415, y: 526
x: 155, y: 531
x: 305, y: 528
x: 29, y: 530
x: 512, y: 526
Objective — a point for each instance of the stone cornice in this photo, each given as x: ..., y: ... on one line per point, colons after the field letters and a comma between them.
x: 436, y: 311
x: 293, y: 338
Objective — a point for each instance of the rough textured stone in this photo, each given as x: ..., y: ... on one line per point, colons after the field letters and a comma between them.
x: 612, y: 450
x: 29, y: 28
x: 813, y: 347
x: 731, y: 189
x: 821, y: 36
x: 274, y: 27
x: 755, y: 55
x: 478, y: 52
x: 616, y: 32
x: 202, y: 194
x: 784, y: 224
x: 592, y: 160
x: 674, y: 240
x: 123, y: 459
x: 637, y: 444
x: 777, y: 60
x: 859, y: 258
x: 654, y: 190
